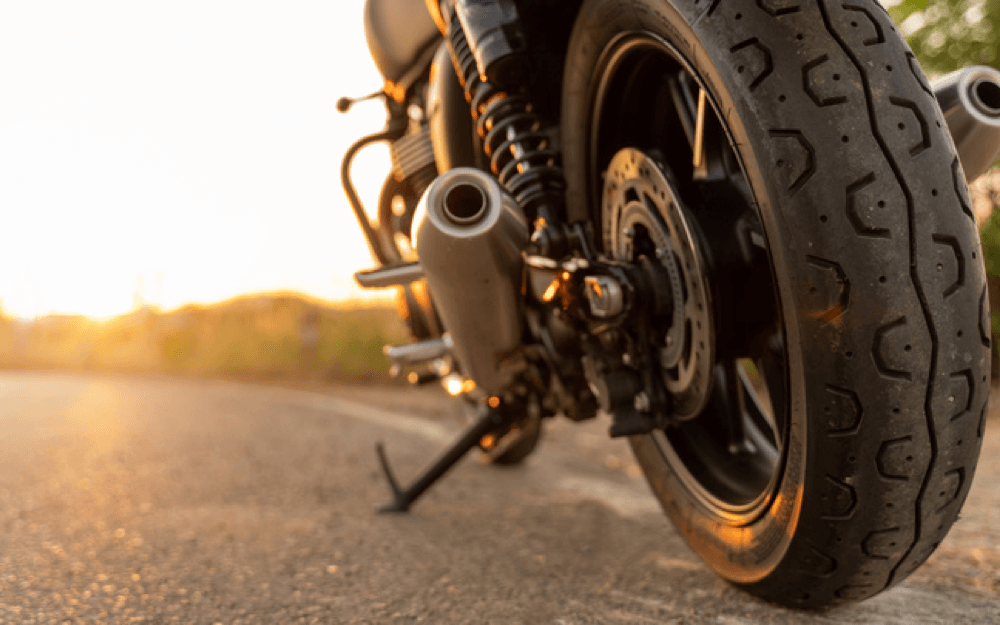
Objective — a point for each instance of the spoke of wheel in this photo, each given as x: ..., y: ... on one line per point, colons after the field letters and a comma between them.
x: 754, y: 406
x: 699, y: 132
x: 684, y: 103
x: 727, y: 372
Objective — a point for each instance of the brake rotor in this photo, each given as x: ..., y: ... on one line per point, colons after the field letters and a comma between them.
x: 640, y: 209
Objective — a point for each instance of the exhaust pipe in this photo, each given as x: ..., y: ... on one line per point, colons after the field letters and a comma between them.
x: 970, y: 100
x: 469, y: 235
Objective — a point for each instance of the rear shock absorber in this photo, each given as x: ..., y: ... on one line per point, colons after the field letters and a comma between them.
x: 488, y: 49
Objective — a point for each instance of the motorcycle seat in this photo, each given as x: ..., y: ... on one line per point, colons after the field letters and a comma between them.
x: 398, y: 31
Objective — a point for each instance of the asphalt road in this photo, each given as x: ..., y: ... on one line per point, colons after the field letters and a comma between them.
x: 137, y: 500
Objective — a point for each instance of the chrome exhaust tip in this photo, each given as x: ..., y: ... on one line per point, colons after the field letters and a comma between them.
x: 464, y: 203
x: 970, y: 101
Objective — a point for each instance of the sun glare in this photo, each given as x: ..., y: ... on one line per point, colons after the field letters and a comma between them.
x: 169, y: 152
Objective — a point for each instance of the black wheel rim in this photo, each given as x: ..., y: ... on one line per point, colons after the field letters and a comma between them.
x: 731, y: 456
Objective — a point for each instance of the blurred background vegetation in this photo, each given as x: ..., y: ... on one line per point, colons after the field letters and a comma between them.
x: 946, y: 35
x: 261, y: 337
x: 289, y: 336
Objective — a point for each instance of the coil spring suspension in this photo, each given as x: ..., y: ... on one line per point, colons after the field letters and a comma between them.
x: 520, y: 152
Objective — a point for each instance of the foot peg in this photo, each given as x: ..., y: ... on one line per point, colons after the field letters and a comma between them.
x: 415, y: 354
x: 489, y: 420
x: 390, y: 275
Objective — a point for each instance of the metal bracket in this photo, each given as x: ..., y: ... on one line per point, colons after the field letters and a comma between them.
x: 388, y: 276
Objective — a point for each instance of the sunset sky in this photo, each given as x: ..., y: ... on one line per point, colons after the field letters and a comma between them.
x: 186, y: 150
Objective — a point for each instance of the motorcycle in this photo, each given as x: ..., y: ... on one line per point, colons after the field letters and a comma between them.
x: 739, y: 229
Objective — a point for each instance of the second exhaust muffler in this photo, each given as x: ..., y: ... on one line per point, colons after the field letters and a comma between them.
x: 970, y: 101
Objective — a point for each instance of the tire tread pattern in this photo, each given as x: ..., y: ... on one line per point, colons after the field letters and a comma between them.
x: 883, y: 516
x: 878, y: 241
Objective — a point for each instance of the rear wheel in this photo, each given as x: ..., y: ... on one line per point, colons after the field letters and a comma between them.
x: 831, y: 440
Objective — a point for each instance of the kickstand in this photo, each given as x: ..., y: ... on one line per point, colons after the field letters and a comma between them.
x: 489, y: 420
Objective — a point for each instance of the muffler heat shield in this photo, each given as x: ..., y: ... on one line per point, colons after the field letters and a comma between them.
x: 469, y: 235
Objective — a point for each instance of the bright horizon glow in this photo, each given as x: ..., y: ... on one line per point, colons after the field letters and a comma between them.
x: 179, y: 151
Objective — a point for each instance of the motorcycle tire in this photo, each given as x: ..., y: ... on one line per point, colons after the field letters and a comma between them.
x: 876, y: 267
x: 511, y: 447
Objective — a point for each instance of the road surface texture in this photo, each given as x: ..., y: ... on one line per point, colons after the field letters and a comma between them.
x: 143, y: 500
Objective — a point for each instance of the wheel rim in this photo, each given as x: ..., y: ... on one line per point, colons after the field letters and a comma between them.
x: 731, y: 455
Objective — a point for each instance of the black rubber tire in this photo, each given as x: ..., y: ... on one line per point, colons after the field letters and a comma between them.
x: 522, y: 444
x: 879, y: 273
x: 514, y: 446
